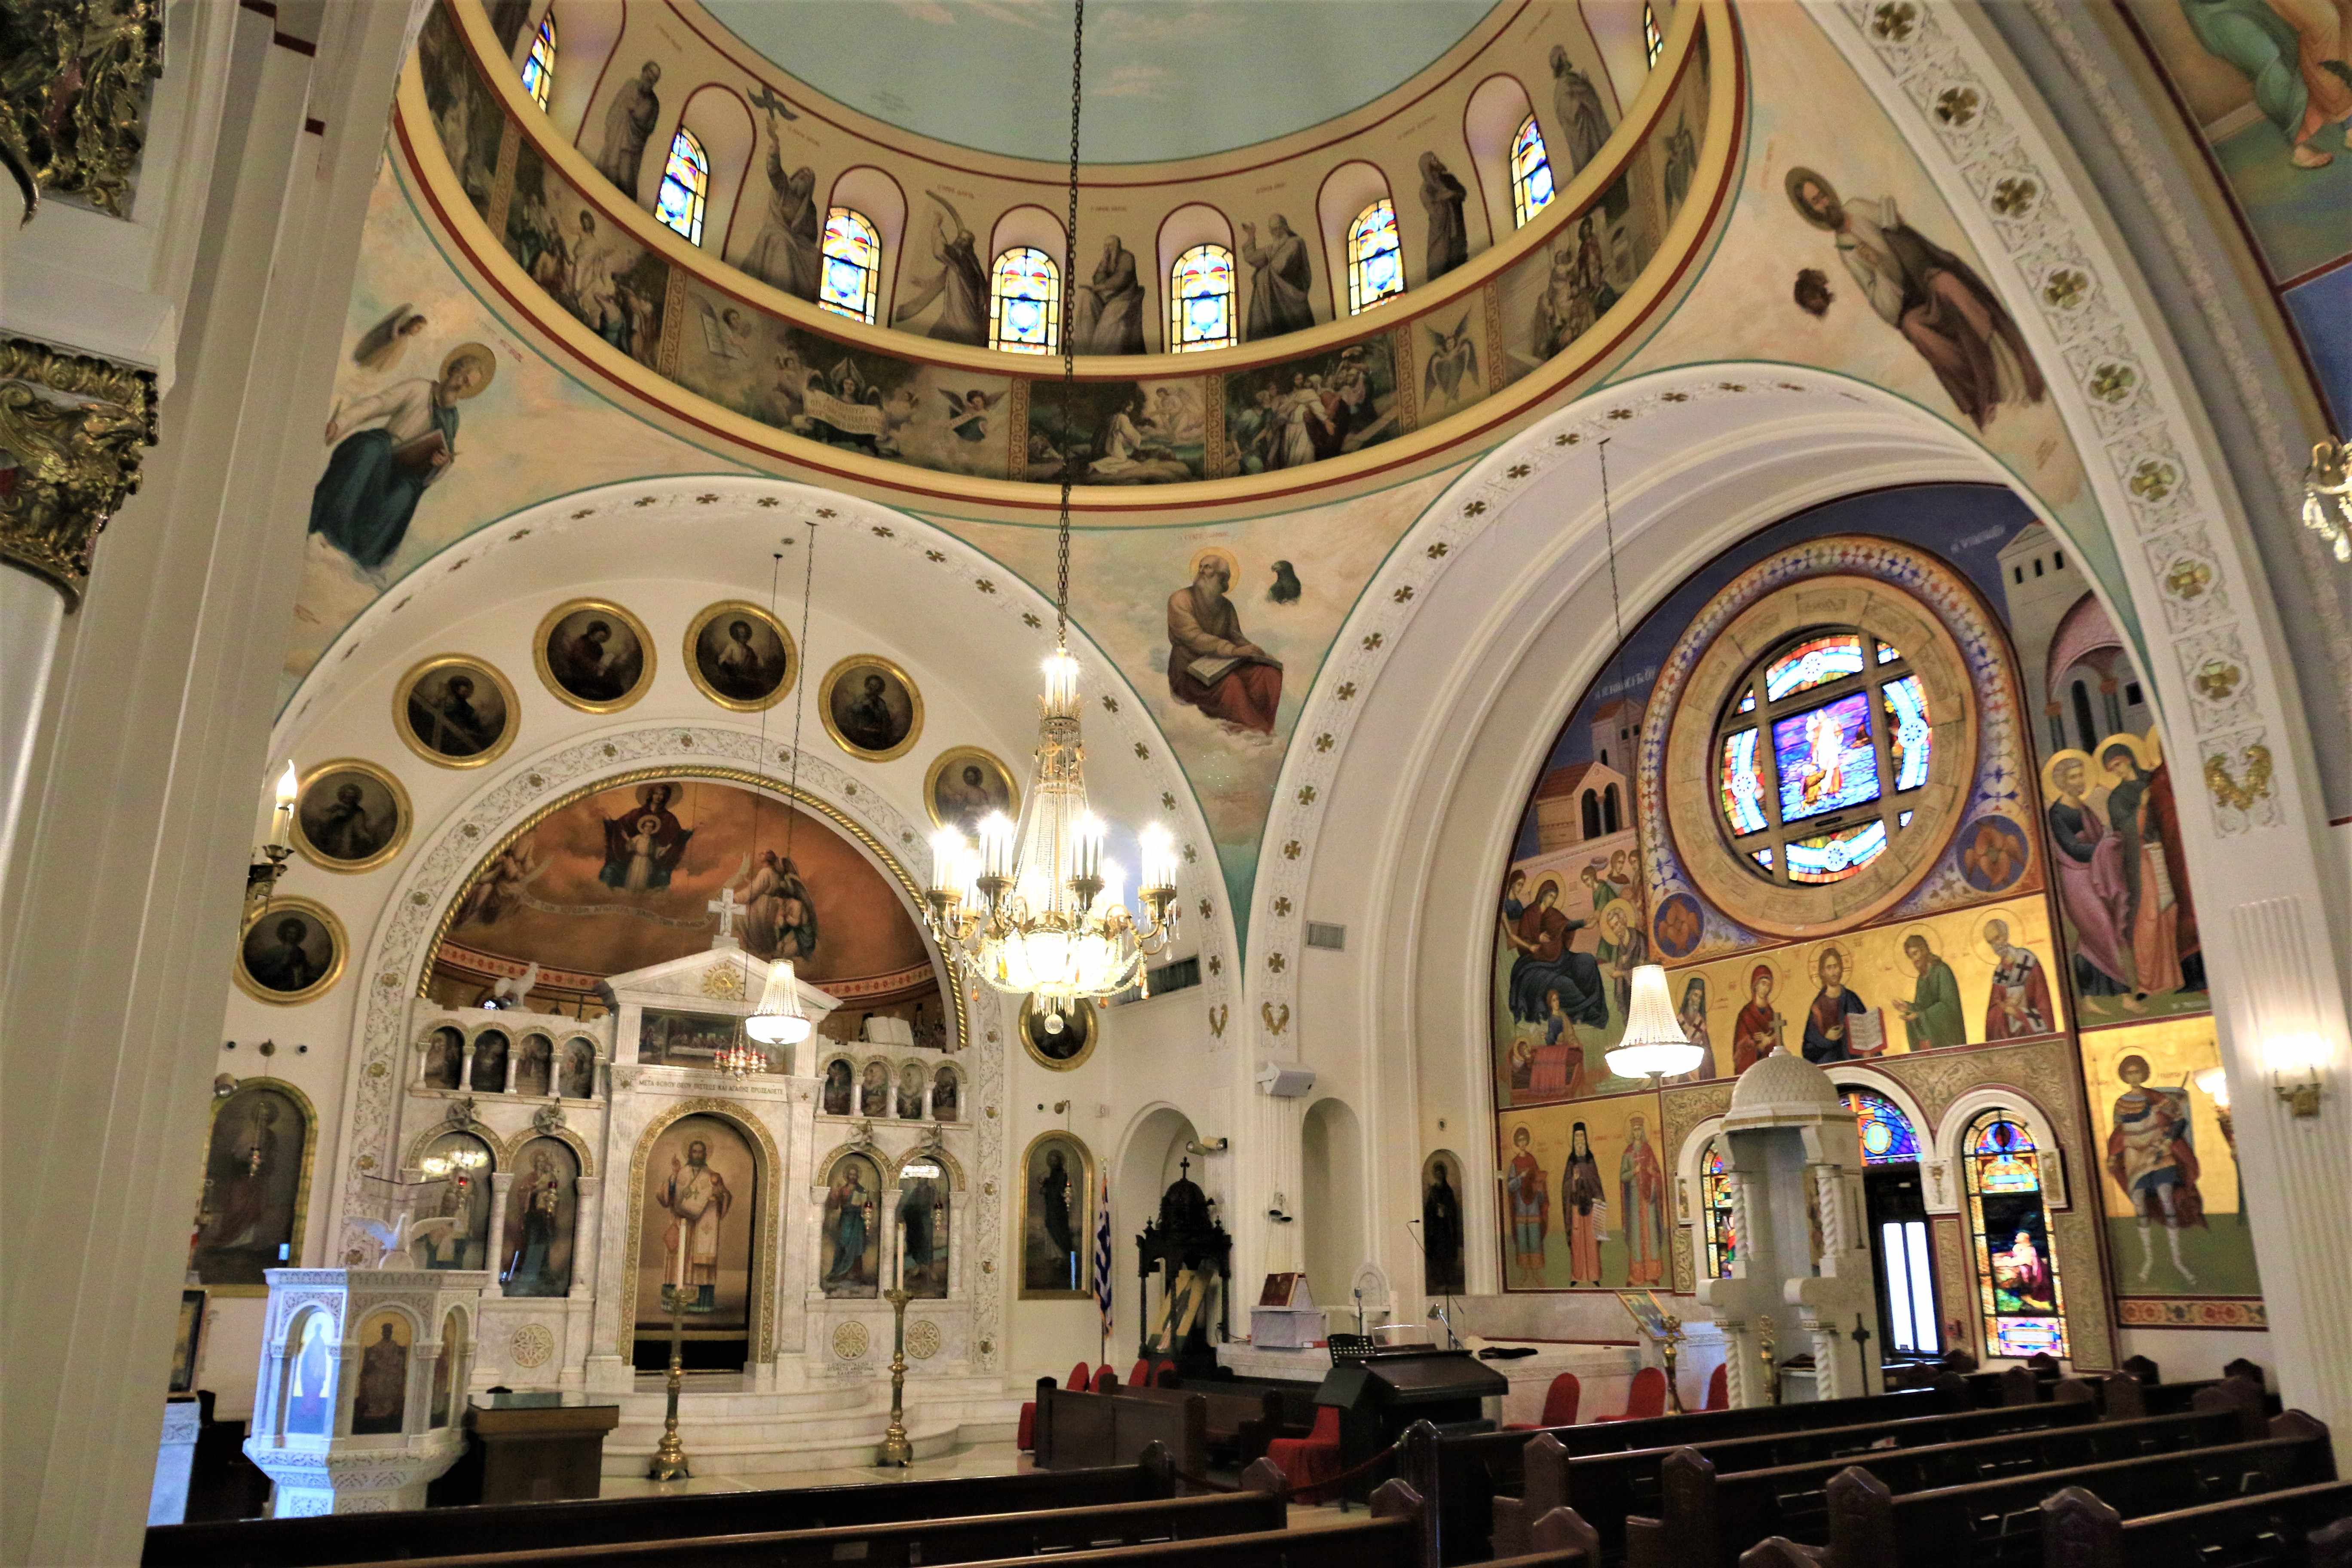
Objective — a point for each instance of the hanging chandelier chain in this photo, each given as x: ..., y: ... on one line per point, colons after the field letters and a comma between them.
x: 760, y: 758
x: 1609, y: 525
x: 800, y: 698
x: 1069, y: 349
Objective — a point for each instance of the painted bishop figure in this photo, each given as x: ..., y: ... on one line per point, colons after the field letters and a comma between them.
x: 697, y: 1199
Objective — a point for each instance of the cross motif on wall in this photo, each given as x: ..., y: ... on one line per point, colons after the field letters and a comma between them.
x: 726, y: 906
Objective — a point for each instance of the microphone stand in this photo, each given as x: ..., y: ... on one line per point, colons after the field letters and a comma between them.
x: 1446, y: 1314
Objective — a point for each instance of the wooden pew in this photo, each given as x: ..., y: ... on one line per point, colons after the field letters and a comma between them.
x: 1076, y: 1430
x: 902, y: 1543
x: 1460, y: 1473
x: 1997, y: 1523
x: 1240, y: 1424
x: 1606, y: 1488
x: 496, y: 1527
x: 1701, y: 1514
x: 2299, y: 1526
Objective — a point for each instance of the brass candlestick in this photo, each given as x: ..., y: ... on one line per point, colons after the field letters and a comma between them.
x: 895, y: 1450
x: 669, y: 1459
x: 1764, y: 1349
x: 1666, y: 1344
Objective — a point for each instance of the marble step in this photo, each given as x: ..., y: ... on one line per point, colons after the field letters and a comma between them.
x: 721, y: 1452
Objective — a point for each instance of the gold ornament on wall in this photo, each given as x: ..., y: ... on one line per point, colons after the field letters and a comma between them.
x: 75, y: 427
x: 73, y: 97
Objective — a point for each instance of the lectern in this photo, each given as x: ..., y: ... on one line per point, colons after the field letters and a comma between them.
x: 1389, y: 1390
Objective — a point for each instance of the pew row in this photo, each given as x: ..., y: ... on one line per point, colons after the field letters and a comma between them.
x: 1240, y: 1424
x: 1077, y: 1430
x: 1990, y: 1523
x: 505, y: 1527
x: 2296, y: 1526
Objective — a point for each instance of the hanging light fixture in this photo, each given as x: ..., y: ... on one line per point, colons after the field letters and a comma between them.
x: 2327, y: 497
x: 1653, y: 1045
x: 1034, y: 908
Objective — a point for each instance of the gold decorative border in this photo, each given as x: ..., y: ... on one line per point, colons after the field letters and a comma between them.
x: 913, y: 699
x: 423, y: 668
x: 718, y: 773
x: 570, y: 608
x: 403, y: 814
x: 1032, y: 1029
x: 2192, y: 1312
x: 949, y: 758
x: 694, y: 629
x: 767, y: 1234
x: 289, y: 905
x: 309, y: 1114
x: 1082, y: 1218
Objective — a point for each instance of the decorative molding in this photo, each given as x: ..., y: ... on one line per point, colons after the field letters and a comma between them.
x: 73, y: 99
x: 71, y: 431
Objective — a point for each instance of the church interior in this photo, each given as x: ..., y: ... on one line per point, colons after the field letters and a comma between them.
x: 1647, y: 859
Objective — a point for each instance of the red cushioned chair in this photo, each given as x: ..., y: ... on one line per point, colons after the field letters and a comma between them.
x: 1106, y: 1380
x: 1164, y: 1376
x: 1139, y: 1374
x: 1560, y: 1405
x: 1314, y: 1458
x: 1718, y: 1388
x: 1646, y: 1398
x: 1026, y: 1439
x: 1080, y: 1378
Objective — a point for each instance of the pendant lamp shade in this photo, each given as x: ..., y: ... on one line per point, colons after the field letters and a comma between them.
x: 1654, y: 1045
x: 779, y: 1020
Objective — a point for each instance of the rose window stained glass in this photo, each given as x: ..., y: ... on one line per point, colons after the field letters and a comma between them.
x: 1885, y: 1132
x: 2023, y: 1306
x: 1817, y: 746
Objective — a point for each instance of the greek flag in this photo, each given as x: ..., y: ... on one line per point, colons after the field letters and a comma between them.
x: 1102, y: 1252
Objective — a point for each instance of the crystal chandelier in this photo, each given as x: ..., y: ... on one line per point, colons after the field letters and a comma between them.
x: 1034, y: 908
x: 1654, y: 1045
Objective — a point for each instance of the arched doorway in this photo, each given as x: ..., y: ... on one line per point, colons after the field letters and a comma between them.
x: 1330, y: 1205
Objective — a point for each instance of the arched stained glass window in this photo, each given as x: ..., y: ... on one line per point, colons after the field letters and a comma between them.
x: 1375, y: 258
x: 686, y: 185
x: 852, y: 255
x: 1200, y: 300
x: 1530, y: 172
x: 1886, y: 1135
x: 539, y: 65
x: 1654, y: 42
x: 1714, y: 1212
x: 1817, y: 752
x: 1024, y: 303
x: 2023, y: 1307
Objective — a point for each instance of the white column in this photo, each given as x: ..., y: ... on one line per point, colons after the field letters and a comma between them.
x: 586, y: 1215
x: 501, y: 1186
x: 137, y: 823
x: 31, y: 614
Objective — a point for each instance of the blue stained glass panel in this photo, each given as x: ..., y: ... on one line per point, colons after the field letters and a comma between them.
x: 1887, y: 1138
x: 1816, y: 661
x: 1825, y: 758
x: 685, y: 187
x: 1531, y: 184
x: 1834, y: 857
x: 1742, y: 785
x: 1907, y: 705
x: 1375, y: 258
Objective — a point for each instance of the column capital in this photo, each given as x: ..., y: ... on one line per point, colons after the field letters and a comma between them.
x: 92, y: 151
x: 76, y: 428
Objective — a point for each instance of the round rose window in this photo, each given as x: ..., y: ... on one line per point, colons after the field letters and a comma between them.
x: 1819, y: 754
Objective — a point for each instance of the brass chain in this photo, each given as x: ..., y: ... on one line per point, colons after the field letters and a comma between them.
x: 1069, y: 349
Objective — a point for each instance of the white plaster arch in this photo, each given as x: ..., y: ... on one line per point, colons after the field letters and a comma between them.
x: 2027, y: 1112
x: 1688, y: 1190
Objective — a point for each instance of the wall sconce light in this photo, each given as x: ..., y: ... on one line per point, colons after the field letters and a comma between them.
x: 2287, y: 1053
x: 270, y: 858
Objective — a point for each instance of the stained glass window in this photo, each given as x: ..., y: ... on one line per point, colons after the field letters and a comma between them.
x: 2019, y: 1295
x: 1530, y: 172
x: 1742, y: 783
x: 1816, y: 661
x: 1200, y: 300
x: 1375, y: 258
x: 1715, y: 1203
x: 685, y: 186
x: 1813, y: 746
x: 852, y: 254
x: 1024, y: 303
x: 1654, y: 42
x: 1886, y: 1135
x: 539, y: 65
x: 1834, y: 857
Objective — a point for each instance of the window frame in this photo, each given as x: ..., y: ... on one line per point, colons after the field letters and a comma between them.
x: 1750, y: 706
x: 870, y: 273
x: 1972, y: 1168
x: 1180, y: 338
x: 538, y: 70
x: 1361, y: 258
x: 1718, y: 1240
x: 1523, y: 172
x: 1051, y: 304
x: 699, y: 190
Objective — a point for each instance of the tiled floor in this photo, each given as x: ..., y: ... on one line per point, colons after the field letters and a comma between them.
x: 979, y: 1460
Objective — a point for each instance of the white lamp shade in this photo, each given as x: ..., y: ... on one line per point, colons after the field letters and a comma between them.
x: 1653, y: 1045
x: 2215, y: 1085
x: 779, y: 1020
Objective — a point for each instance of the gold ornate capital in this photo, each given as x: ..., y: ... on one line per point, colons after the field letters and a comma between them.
x: 71, y: 431
x: 73, y: 95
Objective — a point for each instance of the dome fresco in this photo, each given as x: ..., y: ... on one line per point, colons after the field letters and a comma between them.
x: 1162, y: 82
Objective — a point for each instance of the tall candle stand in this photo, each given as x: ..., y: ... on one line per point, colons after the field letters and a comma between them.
x: 1667, y: 1341
x: 895, y: 1450
x: 1764, y: 1349
x: 669, y: 1458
